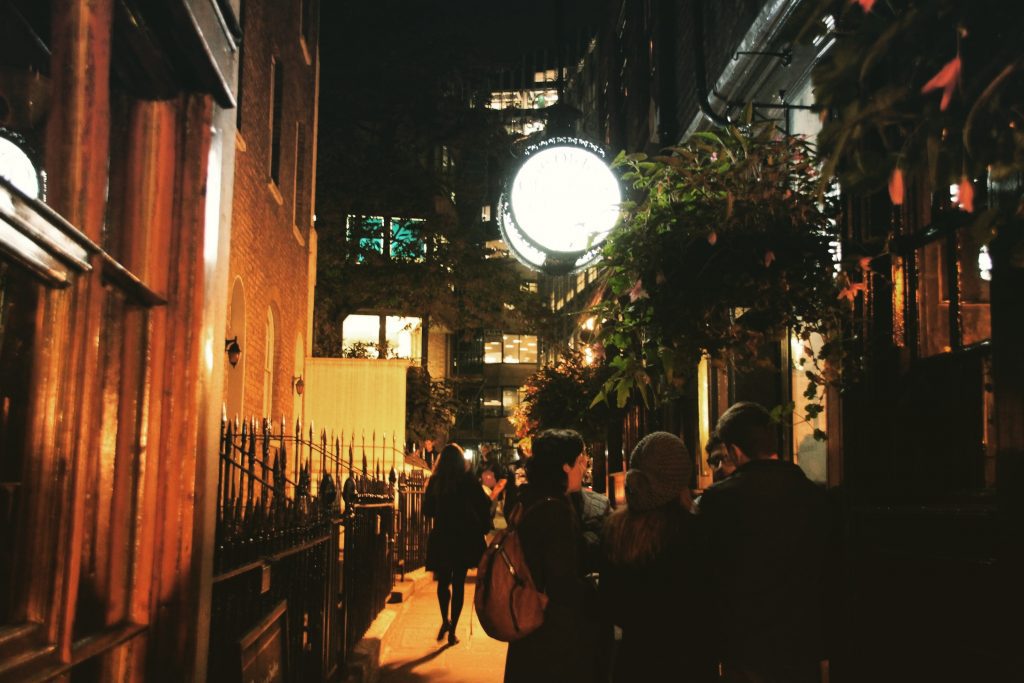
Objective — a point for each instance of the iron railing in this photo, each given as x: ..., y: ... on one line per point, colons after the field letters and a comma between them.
x: 285, y: 536
x: 412, y: 527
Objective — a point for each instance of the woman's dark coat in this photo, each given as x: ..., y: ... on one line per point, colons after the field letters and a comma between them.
x: 461, y: 518
x: 564, y: 647
x: 660, y: 605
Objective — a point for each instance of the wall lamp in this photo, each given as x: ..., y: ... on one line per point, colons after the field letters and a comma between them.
x: 299, y: 384
x: 233, y: 350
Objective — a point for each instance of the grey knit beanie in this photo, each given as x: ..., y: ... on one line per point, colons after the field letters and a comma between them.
x: 659, y: 469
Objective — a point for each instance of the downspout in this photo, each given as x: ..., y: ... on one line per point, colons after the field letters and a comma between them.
x: 700, y: 68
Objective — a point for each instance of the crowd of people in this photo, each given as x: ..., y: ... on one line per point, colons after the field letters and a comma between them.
x: 729, y: 587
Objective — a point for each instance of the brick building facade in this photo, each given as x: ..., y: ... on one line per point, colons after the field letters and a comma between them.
x: 273, y: 249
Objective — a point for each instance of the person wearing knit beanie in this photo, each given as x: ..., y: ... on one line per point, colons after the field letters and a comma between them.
x: 659, y: 471
x: 652, y: 575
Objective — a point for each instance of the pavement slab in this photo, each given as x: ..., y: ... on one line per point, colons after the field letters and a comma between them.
x: 411, y: 654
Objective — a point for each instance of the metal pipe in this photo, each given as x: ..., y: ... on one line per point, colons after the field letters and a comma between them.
x: 700, y: 68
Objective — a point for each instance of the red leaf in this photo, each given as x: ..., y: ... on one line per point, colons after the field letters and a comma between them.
x: 896, y: 187
x: 769, y: 258
x: 637, y: 292
x: 866, y: 5
x: 712, y: 238
x: 946, y: 80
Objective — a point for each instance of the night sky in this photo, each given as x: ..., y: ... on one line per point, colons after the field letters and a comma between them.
x: 383, y: 45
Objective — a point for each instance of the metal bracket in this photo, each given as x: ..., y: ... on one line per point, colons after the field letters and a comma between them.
x: 785, y: 55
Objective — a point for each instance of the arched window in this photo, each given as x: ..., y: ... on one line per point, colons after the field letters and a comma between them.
x: 268, y: 365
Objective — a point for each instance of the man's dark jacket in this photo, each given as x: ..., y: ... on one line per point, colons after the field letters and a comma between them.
x: 765, y: 532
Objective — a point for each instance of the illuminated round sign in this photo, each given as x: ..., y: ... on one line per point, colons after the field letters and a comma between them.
x: 560, y: 205
x: 17, y: 167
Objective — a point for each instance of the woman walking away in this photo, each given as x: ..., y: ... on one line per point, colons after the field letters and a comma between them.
x: 650, y: 582
x: 563, y: 648
x: 461, y: 512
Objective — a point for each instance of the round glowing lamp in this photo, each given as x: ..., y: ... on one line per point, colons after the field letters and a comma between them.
x: 560, y: 205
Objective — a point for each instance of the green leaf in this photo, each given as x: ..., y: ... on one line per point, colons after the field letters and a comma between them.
x: 622, y: 393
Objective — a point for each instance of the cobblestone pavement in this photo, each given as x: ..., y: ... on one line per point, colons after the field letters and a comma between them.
x: 412, y: 654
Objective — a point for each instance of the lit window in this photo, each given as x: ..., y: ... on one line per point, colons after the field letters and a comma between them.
x: 492, y: 349
x: 491, y: 402
x: 809, y: 453
x: 360, y: 336
x: 510, y: 348
x: 366, y: 235
x: 406, y: 240
x: 984, y: 264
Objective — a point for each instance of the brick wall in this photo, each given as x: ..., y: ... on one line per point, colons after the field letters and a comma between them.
x: 271, y: 223
x: 654, y: 38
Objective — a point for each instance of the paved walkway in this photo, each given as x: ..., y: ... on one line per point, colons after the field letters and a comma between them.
x: 411, y: 654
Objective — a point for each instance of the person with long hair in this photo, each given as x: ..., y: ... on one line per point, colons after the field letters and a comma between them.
x: 461, y: 513
x: 651, y: 581
x: 563, y: 648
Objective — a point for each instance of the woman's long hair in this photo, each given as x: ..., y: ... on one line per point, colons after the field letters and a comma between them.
x: 636, y: 538
x: 450, y: 470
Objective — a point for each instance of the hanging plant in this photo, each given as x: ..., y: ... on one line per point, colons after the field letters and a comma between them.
x: 927, y: 94
x: 727, y: 247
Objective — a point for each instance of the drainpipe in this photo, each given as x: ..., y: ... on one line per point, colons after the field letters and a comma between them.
x: 700, y: 68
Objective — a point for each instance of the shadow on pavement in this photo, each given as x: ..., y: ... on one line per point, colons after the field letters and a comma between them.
x: 404, y: 671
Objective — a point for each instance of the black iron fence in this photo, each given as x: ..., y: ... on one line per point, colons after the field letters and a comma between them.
x: 412, y: 527
x: 300, y: 571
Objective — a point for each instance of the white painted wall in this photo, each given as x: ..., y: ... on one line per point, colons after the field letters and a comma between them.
x: 359, y: 396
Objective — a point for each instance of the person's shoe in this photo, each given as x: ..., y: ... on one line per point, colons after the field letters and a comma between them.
x: 445, y: 628
x: 451, y: 636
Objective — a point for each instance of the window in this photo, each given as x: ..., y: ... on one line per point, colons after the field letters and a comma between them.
x: 492, y: 349
x: 241, y: 67
x: 809, y: 453
x: 17, y: 304
x: 268, y: 365
x: 365, y: 236
x: 361, y: 334
x: 276, y: 104
x: 952, y: 274
x: 500, y: 401
x: 406, y: 243
x: 491, y: 402
x: 301, y: 193
x: 510, y: 348
x: 401, y: 240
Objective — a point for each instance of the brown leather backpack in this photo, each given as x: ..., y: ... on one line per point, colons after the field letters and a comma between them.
x: 507, y: 601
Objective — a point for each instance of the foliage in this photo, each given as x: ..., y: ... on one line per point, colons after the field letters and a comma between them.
x: 726, y: 248
x: 925, y: 94
x: 559, y: 395
x: 361, y: 349
x: 430, y: 406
